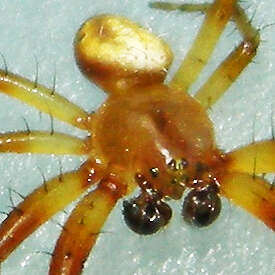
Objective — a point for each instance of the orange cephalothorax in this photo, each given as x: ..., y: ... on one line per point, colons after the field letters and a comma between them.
x: 145, y: 129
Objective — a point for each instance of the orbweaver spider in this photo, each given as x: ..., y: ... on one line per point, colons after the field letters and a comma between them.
x: 153, y: 172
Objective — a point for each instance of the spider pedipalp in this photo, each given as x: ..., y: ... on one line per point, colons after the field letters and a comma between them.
x: 146, y: 214
x: 202, y: 206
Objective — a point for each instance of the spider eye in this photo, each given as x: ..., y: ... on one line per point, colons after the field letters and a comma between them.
x: 145, y: 215
x: 202, y: 207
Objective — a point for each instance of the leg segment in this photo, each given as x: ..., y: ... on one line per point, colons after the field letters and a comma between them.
x: 254, y: 158
x: 42, y: 143
x: 42, y: 204
x: 251, y: 193
x: 234, y: 64
x: 217, y: 16
x: 43, y: 99
x: 83, y: 227
x: 230, y: 68
x: 166, y: 6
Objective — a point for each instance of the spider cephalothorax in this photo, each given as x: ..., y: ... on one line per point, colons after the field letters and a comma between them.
x: 147, y: 134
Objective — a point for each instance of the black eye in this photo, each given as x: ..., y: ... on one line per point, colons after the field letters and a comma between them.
x: 145, y: 215
x: 202, y: 207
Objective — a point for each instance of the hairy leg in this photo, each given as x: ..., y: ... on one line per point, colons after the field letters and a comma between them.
x: 44, y: 99
x: 43, y: 203
x: 252, y: 193
x: 83, y: 227
x: 254, y: 158
x: 233, y: 65
x: 42, y: 143
x: 196, y: 59
x: 216, y: 18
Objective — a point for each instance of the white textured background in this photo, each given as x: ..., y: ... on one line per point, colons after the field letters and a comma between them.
x: 237, y: 243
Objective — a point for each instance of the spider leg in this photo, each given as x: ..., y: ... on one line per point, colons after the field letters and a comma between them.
x: 233, y: 65
x: 198, y: 56
x: 43, y: 99
x: 42, y: 143
x: 251, y: 193
x: 83, y: 227
x: 254, y: 158
x: 167, y: 6
x: 216, y: 18
x: 43, y: 203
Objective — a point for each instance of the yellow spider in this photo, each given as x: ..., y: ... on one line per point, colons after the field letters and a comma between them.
x: 146, y: 134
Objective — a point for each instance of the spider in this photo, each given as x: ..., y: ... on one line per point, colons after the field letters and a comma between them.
x: 145, y: 144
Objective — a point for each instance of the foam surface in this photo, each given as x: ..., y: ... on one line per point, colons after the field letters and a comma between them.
x: 237, y: 243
